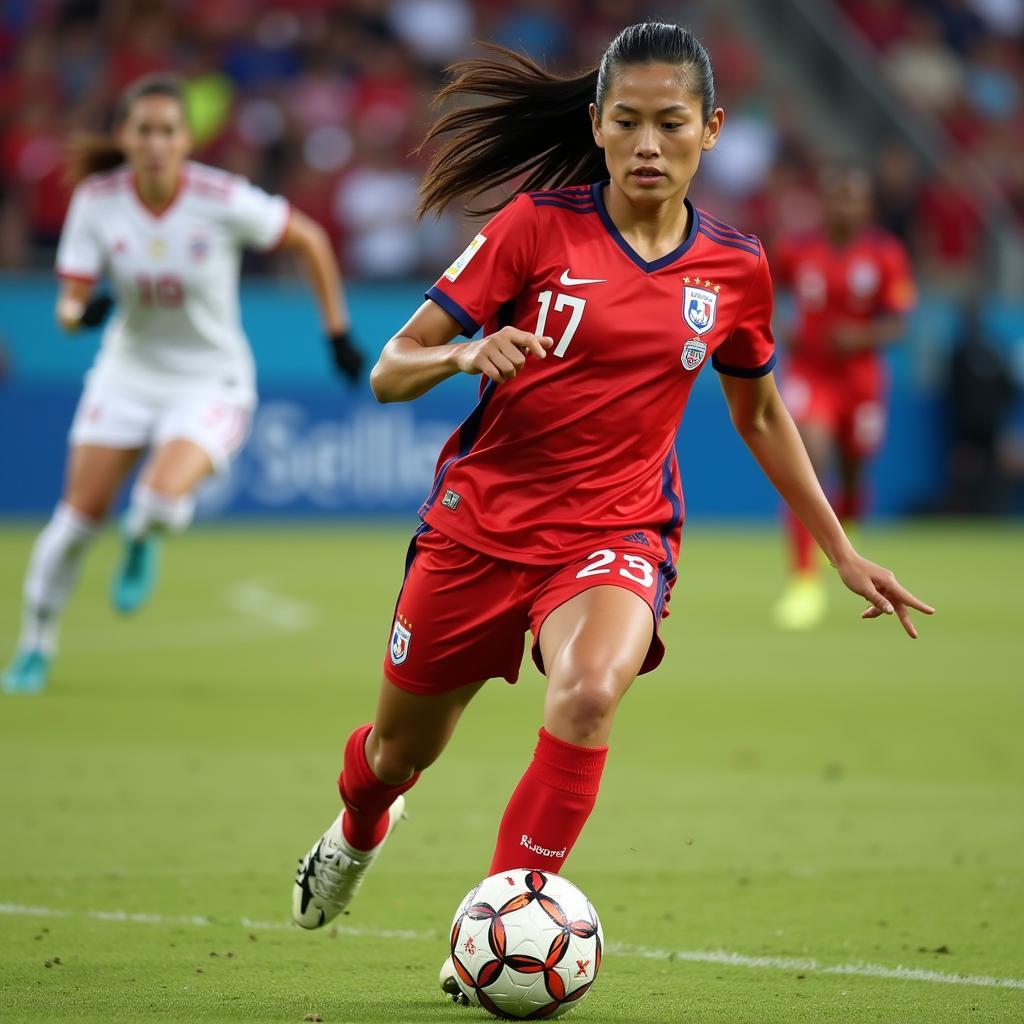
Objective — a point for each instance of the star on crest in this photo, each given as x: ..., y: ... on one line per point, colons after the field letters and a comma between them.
x: 702, y: 282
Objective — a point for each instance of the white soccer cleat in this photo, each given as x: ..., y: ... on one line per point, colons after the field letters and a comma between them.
x: 332, y: 872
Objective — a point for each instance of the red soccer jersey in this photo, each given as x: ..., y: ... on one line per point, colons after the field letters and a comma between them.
x: 864, y: 279
x: 580, y: 445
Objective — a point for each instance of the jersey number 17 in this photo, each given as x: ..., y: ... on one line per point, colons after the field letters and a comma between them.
x: 561, y: 302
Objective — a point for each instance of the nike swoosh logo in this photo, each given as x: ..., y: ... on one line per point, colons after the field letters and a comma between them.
x: 566, y: 281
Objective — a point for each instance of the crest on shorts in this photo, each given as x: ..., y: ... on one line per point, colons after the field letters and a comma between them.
x: 693, y: 354
x: 699, y: 308
x: 401, y: 638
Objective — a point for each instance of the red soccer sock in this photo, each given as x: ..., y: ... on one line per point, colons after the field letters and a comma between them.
x: 366, y: 798
x: 801, y: 545
x: 550, y: 806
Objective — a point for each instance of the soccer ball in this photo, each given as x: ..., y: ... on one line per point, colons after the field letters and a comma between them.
x: 526, y: 944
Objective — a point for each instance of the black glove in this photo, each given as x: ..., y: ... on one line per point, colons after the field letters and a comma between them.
x: 347, y: 358
x: 96, y: 310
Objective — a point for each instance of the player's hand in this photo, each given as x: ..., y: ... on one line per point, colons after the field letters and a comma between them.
x: 886, y: 594
x: 500, y: 356
x: 347, y: 357
x: 95, y: 311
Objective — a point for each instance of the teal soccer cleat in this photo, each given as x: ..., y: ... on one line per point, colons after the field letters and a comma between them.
x: 137, y: 574
x: 26, y: 673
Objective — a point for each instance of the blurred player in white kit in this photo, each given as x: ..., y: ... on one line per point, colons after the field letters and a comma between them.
x: 174, y: 376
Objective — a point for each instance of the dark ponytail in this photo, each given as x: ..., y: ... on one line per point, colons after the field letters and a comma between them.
x: 90, y: 153
x: 536, y: 125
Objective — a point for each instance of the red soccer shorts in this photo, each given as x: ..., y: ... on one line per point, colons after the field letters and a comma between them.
x: 462, y: 615
x: 852, y: 412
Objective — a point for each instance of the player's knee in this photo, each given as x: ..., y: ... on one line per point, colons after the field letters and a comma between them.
x: 395, y: 761
x: 92, y: 506
x: 586, y: 702
x: 163, y: 510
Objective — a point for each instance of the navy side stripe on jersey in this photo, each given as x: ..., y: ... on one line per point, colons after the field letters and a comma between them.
x: 453, y: 309
x: 731, y: 243
x: 410, y: 555
x: 468, y: 433
x: 743, y: 371
x: 666, y: 568
x: 470, y: 429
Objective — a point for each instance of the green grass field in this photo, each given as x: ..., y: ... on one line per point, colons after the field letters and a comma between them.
x: 785, y: 822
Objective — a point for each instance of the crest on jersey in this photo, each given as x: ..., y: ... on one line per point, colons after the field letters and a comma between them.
x: 699, y: 309
x: 401, y: 638
x: 693, y: 354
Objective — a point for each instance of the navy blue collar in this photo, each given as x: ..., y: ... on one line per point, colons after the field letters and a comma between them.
x: 602, y: 211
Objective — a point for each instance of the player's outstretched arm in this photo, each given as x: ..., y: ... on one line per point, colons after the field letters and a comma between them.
x: 419, y: 357
x: 764, y: 423
x: 310, y: 241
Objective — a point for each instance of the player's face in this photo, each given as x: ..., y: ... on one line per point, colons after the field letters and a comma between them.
x: 652, y: 131
x: 846, y: 202
x: 155, y: 139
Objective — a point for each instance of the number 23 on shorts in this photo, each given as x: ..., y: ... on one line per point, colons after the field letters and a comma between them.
x: 638, y: 569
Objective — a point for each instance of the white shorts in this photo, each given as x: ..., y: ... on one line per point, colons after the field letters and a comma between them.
x: 116, y: 415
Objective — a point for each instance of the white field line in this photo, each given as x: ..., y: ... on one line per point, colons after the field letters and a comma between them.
x: 253, y: 607
x: 256, y: 600
x: 703, y: 956
x: 808, y: 966
x: 199, y: 921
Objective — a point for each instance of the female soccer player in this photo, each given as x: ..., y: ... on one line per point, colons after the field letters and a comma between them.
x: 853, y: 289
x: 557, y: 506
x: 174, y: 373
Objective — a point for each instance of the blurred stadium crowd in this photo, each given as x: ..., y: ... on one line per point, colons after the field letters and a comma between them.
x: 324, y: 101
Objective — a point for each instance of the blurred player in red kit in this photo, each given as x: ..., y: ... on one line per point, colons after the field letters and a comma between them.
x: 556, y: 508
x: 853, y: 289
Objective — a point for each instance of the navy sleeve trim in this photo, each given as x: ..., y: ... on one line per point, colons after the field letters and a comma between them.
x: 453, y: 309
x: 744, y: 371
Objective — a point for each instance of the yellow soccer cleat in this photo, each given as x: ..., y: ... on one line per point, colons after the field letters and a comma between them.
x: 804, y: 603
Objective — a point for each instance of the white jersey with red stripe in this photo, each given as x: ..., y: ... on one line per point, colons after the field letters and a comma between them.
x: 174, y: 274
